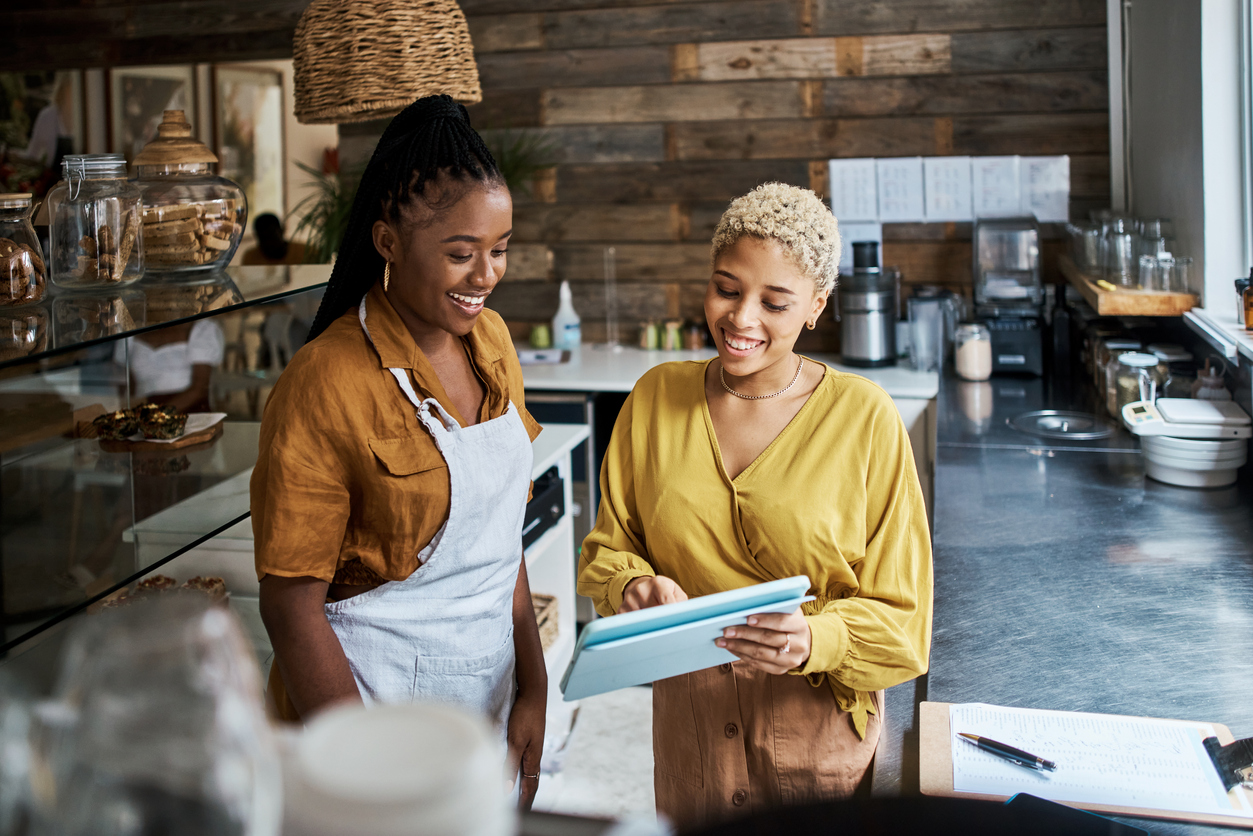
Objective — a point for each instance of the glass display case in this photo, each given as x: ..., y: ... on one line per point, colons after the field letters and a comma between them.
x: 73, y: 507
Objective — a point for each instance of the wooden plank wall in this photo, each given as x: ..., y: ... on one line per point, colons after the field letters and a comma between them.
x: 664, y: 110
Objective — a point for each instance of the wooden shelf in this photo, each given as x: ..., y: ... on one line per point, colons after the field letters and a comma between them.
x: 1125, y: 302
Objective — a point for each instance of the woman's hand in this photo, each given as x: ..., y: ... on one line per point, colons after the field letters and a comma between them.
x: 771, y: 642
x: 642, y: 593
x: 526, y: 745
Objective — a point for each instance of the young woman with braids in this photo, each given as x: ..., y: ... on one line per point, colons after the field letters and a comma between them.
x: 395, y: 457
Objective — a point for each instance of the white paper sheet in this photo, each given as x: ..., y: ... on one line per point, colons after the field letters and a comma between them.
x: 946, y: 181
x: 850, y: 232
x: 900, y: 189
x: 1045, y: 185
x: 854, y: 190
x: 1101, y: 759
x: 995, y: 187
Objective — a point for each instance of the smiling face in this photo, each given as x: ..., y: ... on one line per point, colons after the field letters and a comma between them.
x: 445, y: 263
x: 757, y: 302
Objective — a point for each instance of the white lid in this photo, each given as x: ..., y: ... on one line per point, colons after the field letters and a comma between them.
x: 1169, y: 352
x: 1140, y: 361
x: 1197, y: 411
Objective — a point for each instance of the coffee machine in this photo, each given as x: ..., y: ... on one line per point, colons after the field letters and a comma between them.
x: 1008, y: 292
x: 866, y: 309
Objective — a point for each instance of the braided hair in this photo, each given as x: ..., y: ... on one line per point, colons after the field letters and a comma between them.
x: 429, y: 139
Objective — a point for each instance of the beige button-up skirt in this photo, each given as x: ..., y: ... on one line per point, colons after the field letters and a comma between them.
x: 730, y: 740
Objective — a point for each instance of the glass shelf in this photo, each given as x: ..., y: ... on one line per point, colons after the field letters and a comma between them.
x: 79, y: 521
x: 67, y: 321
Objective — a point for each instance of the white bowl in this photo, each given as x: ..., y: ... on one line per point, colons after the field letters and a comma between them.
x: 1188, y: 446
x: 1190, y: 478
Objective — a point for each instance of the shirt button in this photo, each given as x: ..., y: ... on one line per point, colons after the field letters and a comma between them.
x: 739, y: 798
x: 731, y: 730
x: 726, y: 668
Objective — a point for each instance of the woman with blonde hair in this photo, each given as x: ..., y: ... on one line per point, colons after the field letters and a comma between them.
x: 757, y: 465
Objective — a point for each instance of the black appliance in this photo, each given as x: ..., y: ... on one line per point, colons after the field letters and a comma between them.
x: 548, y: 503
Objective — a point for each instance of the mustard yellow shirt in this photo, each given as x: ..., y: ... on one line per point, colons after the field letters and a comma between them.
x: 834, y: 497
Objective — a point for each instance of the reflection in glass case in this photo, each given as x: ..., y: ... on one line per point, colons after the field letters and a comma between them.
x: 89, y: 502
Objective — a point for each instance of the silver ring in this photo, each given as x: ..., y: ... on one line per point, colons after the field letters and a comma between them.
x: 787, y: 647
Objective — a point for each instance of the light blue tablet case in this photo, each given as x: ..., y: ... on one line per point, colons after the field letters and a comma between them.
x: 647, y: 645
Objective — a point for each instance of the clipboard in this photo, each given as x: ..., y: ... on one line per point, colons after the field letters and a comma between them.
x: 644, y: 646
x: 936, y: 772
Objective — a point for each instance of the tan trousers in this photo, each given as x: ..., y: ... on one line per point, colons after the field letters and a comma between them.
x: 730, y: 740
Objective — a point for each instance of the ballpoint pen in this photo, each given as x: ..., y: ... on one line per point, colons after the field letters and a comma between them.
x: 1009, y: 753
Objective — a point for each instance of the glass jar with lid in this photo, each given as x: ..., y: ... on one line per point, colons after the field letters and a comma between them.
x: 973, y: 354
x: 1106, y: 350
x: 1132, y: 377
x: 95, y: 217
x: 23, y: 274
x: 193, y: 219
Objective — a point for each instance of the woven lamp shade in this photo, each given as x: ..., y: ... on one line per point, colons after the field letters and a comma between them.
x: 357, y: 60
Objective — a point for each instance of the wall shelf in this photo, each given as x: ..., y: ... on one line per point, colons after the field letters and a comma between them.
x: 1125, y: 302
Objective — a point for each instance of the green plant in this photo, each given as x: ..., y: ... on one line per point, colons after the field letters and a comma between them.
x: 326, y: 211
x: 520, y: 154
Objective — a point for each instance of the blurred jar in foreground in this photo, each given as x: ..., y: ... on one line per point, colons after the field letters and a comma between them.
x: 95, y: 217
x: 156, y: 726
x: 24, y: 332
x: 974, y: 351
x: 23, y: 274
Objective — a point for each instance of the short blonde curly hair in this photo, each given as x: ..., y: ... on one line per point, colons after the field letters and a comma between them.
x: 796, y: 218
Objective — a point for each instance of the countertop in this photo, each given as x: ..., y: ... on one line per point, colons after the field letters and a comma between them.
x: 1065, y: 579
x: 598, y: 368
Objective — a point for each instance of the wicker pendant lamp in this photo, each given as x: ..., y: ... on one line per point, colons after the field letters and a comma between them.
x: 357, y: 60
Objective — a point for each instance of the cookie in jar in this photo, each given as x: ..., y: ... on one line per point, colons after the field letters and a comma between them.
x: 96, y: 219
x: 23, y: 274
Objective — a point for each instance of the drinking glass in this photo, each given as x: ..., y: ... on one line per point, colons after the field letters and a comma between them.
x: 926, y: 333
x: 1181, y: 275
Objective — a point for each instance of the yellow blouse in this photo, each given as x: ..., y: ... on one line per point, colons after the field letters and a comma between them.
x: 834, y: 497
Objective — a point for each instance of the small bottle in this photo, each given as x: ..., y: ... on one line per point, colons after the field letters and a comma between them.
x: 567, y: 328
x: 1248, y: 304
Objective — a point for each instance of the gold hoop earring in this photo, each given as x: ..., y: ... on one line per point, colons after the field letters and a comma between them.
x: 387, y: 274
x: 810, y: 325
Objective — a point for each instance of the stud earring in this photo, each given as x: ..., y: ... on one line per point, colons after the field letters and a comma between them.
x: 387, y: 274
x: 810, y: 325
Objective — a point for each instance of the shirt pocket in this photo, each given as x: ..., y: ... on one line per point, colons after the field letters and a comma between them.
x: 406, y: 456
x: 405, y: 498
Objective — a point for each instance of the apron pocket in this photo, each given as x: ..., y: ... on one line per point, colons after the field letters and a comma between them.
x: 482, y: 684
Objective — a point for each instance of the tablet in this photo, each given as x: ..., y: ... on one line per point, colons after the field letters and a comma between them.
x: 644, y: 646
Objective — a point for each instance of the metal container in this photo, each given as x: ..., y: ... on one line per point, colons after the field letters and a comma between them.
x: 866, y: 310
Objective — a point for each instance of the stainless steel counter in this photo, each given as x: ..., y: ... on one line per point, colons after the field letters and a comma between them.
x: 1067, y: 580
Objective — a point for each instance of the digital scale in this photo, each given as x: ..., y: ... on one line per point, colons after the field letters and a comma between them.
x: 1191, y: 443
x: 1187, y: 418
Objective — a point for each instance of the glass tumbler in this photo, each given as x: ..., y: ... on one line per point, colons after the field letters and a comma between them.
x: 1181, y: 275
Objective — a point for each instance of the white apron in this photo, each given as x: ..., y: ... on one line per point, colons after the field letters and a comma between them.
x: 445, y: 633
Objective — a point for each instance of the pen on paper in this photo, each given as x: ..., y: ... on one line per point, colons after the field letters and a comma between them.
x: 1009, y: 753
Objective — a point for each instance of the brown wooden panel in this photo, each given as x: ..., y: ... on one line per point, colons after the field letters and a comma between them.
x: 574, y: 67
x: 507, y: 109
x: 138, y: 20
x: 40, y: 54
x: 1089, y: 175
x: 930, y: 262
x: 870, y: 17
x: 805, y: 138
x: 528, y: 261
x: 594, y: 222
x: 1062, y: 133
x: 783, y: 58
x: 703, y: 219
x: 953, y: 94
x: 591, y: 143
x: 726, y: 100
x: 892, y: 55
x: 485, y: 7
x: 673, y: 181
x: 657, y: 261
x: 685, y: 23
x: 1036, y: 50
x: 506, y: 33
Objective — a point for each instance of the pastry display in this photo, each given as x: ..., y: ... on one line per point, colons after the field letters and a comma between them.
x: 96, y: 219
x: 210, y: 585
x: 213, y: 587
x: 160, y: 421
x: 189, y: 234
x: 116, y: 426
x: 154, y: 583
x: 23, y: 274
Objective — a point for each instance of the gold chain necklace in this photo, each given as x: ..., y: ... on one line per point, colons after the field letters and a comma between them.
x: 723, y: 377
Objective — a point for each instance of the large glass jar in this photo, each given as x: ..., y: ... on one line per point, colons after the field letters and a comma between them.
x: 193, y: 218
x: 23, y: 274
x: 973, y: 357
x: 23, y: 332
x: 1132, y: 377
x: 95, y: 218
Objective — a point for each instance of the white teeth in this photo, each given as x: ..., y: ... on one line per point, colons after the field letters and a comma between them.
x: 739, y: 345
x: 473, y: 301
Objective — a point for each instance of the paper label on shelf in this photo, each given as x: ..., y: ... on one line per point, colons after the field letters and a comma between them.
x: 850, y: 232
x: 995, y: 187
x: 854, y: 189
x: 946, y: 181
x: 900, y: 189
x: 1045, y: 186
x: 1101, y: 759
